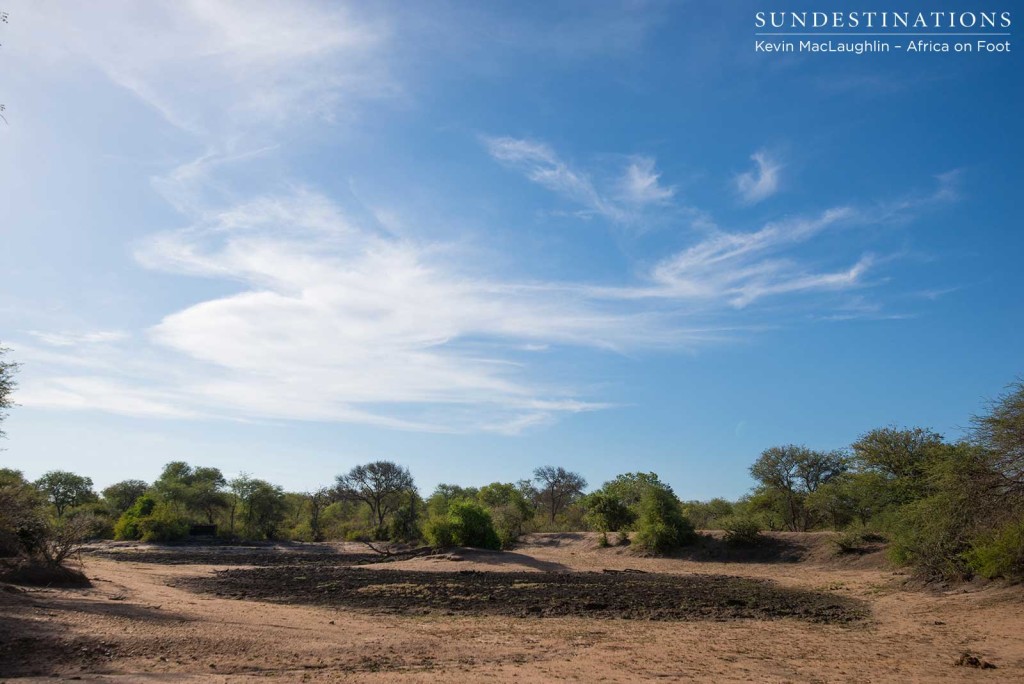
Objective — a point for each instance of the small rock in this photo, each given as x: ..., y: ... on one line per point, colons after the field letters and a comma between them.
x: 969, y: 660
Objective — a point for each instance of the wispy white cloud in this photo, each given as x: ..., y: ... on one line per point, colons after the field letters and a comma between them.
x: 70, y: 339
x: 335, y: 322
x: 637, y: 188
x: 216, y: 67
x: 540, y: 164
x: 761, y: 183
x: 739, y: 268
x: 641, y: 185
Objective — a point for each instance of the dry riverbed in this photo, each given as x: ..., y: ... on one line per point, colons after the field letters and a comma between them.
x: 558, y: 607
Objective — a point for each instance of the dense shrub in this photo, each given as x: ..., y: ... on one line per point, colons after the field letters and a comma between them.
x: 856, y: 539
x: 661, y: 526
x: 467, y: 524
x: 931, y: 536
x: 999, y: 554
x: 741, y: 530
x: 22, y: 514
x: 165, y: 523
x: 438, y: 531
x: 404, y: 524
x: 151, y: 520
x: 127, y: 526
x: 606, y: 512
x: 508, y: 524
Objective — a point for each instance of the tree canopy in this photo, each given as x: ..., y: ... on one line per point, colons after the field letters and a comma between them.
x: 65, y: 489
x: 558, y: 488
x: 381, y: 485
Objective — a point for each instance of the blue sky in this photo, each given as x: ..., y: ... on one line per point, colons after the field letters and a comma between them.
x: 476, y: 238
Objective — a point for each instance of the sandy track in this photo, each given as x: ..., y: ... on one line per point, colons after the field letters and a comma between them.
x: 131, y: 626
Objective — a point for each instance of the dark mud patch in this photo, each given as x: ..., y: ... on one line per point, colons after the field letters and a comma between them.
x: 234, y: 556
x: 640, y: 596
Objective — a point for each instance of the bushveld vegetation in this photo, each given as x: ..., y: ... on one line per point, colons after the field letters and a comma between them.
x: 950, y: 510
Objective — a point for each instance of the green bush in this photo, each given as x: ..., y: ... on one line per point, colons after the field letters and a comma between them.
x: 607, y: 513
x: 508, y: 524
x: 856, y: 539
x: 163, y: 524
x: 467, y: 524
x: 151, y: 520
x: 999, y: 554
x: 849, y: 541
x: 741, y: 530
x: 929, y: 536
x: 438, y: 531
x: 404, y: 525
x: 661, y: 526
x: 127, y: 526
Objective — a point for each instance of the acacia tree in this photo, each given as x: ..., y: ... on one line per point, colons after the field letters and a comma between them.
x: 65, y: 489
x: 1001, y: 431
x: 121, y: 495
x: 318, y: 501
x: 199, y: 490
x: 558, y: 488
x: 7, y: 385
x: 794, y: 472
x: 902, y: 457
x: 381, y: 485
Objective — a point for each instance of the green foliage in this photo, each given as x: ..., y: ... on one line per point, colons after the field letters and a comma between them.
x: 741, y: 531
x: 121, y: 495
x: 855, y: 539
x: 164, y: 523
x: 383, y: 486
x: 708, y: 515
x: 629, y: 488
x: 764, y: 504
x: 999, y: 553
x: 466, y: 524
x: 101, y: 519
x: 509, y: 521
x: 23, y: 519
x: 896, y: 452
x: 7, y: 384
x: 404, y: 524
x: 127, y: 526
x: 65, y: 489
x: 933, y: 533
x: 558, y: 488
x: 150, y: 519
x: 511, y: 506
x: 444, y: 495
x: 661, y: 525
x: 606, y: 512
x: 198, y: 490
x: 792, y: 473
x: 258, y: 507
x: 438, y: 531
x: 1001, y: 432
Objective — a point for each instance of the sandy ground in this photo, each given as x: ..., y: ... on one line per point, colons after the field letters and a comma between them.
x: 131, y: 626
